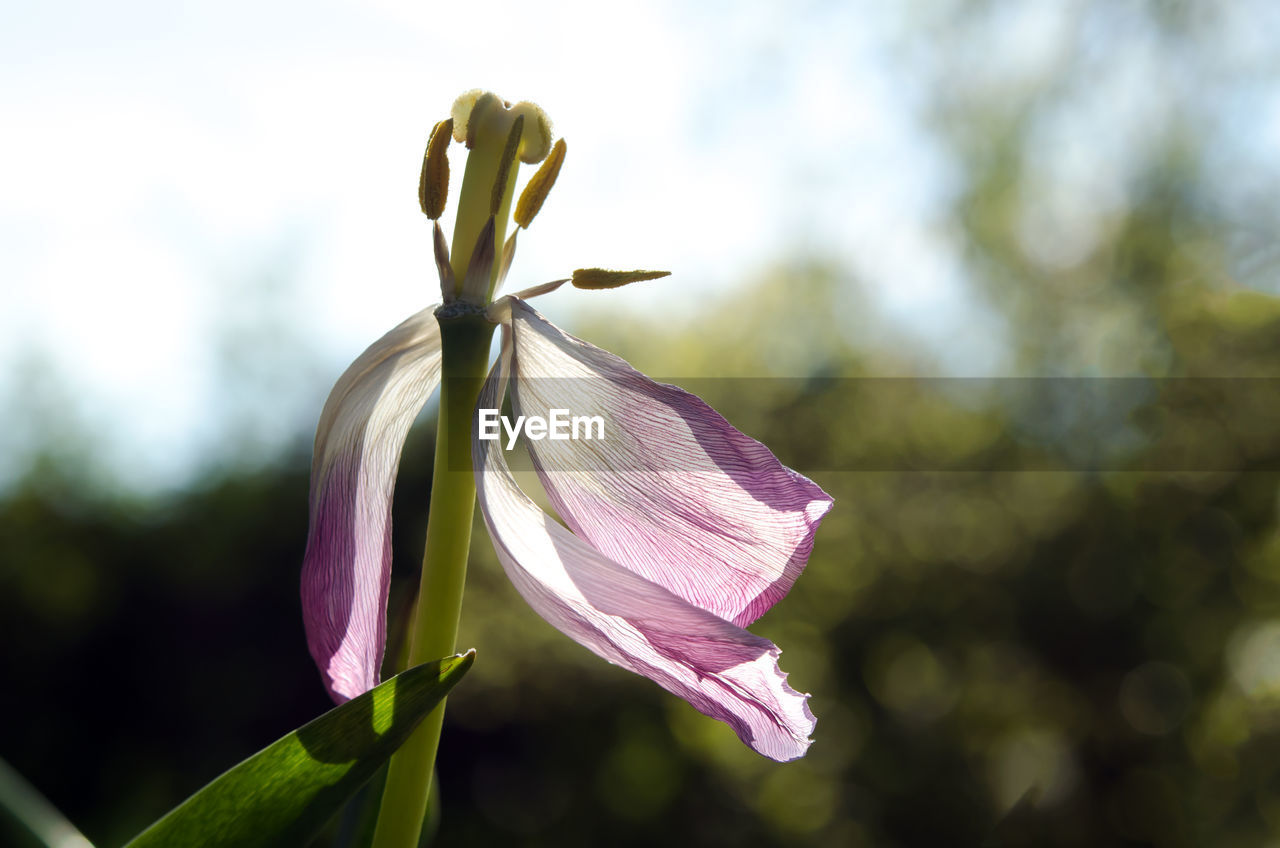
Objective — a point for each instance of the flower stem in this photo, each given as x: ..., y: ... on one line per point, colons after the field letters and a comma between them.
x: 465, y: 350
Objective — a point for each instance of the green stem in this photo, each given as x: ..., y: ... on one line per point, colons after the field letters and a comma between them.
x: 465, y: 350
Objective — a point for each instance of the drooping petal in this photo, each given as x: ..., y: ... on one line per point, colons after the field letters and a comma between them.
x: 346, y: 570
x: 719, y: 668
x: 673, y: 492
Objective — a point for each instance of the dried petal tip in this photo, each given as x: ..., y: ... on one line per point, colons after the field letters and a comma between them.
x: 599, y: 278
x: 539, y: 186
x: 433, y: 186
x: 479, y: 111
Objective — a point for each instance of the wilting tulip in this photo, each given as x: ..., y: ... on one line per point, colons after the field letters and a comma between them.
x: 679, y: 530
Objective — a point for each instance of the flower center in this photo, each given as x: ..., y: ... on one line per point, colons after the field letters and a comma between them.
x: 497, y: 135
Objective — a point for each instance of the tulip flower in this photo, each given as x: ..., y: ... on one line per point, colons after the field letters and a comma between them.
x: 679, y: 530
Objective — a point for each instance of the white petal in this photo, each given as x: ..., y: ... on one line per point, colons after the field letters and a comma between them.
x: 719, y: 668
x: 346, y: 570
x: 673, y: 492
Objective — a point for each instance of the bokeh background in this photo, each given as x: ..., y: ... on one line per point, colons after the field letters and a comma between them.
x: 1000, y: 276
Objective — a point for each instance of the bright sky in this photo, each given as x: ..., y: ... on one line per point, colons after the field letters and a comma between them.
x: 165, y: 164
x: 160, y: 158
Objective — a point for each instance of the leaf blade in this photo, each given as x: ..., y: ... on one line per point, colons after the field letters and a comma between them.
x: 286, y: 792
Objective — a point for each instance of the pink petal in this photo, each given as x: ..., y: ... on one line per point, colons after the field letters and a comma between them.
x: 347, y: 566
x: 719, y: 668
x: 674, y: 492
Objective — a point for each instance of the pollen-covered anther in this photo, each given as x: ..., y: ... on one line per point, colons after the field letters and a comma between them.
x: 531, y: 199
x: 433, y: 185
x: 599, y: 278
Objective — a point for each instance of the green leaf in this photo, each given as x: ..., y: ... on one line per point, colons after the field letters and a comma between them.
x: 286, y: 792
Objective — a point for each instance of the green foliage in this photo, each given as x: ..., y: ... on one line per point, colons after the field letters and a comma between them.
x: 285, y: 793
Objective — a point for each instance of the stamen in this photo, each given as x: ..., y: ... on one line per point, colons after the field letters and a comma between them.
x: 543, y: 288
x: 599, y: 278
x: 433, y: 185
x: 539, y: 186
x: 499, y: 312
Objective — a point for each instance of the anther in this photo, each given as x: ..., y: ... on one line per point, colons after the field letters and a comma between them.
x: 599, y: 278
x: 433, y: 185
x: 539, y: 186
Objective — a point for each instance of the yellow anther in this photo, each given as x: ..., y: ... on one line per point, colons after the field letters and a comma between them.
x: 539, y: 186
x: 433, y: 185
x: 599, y: 278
